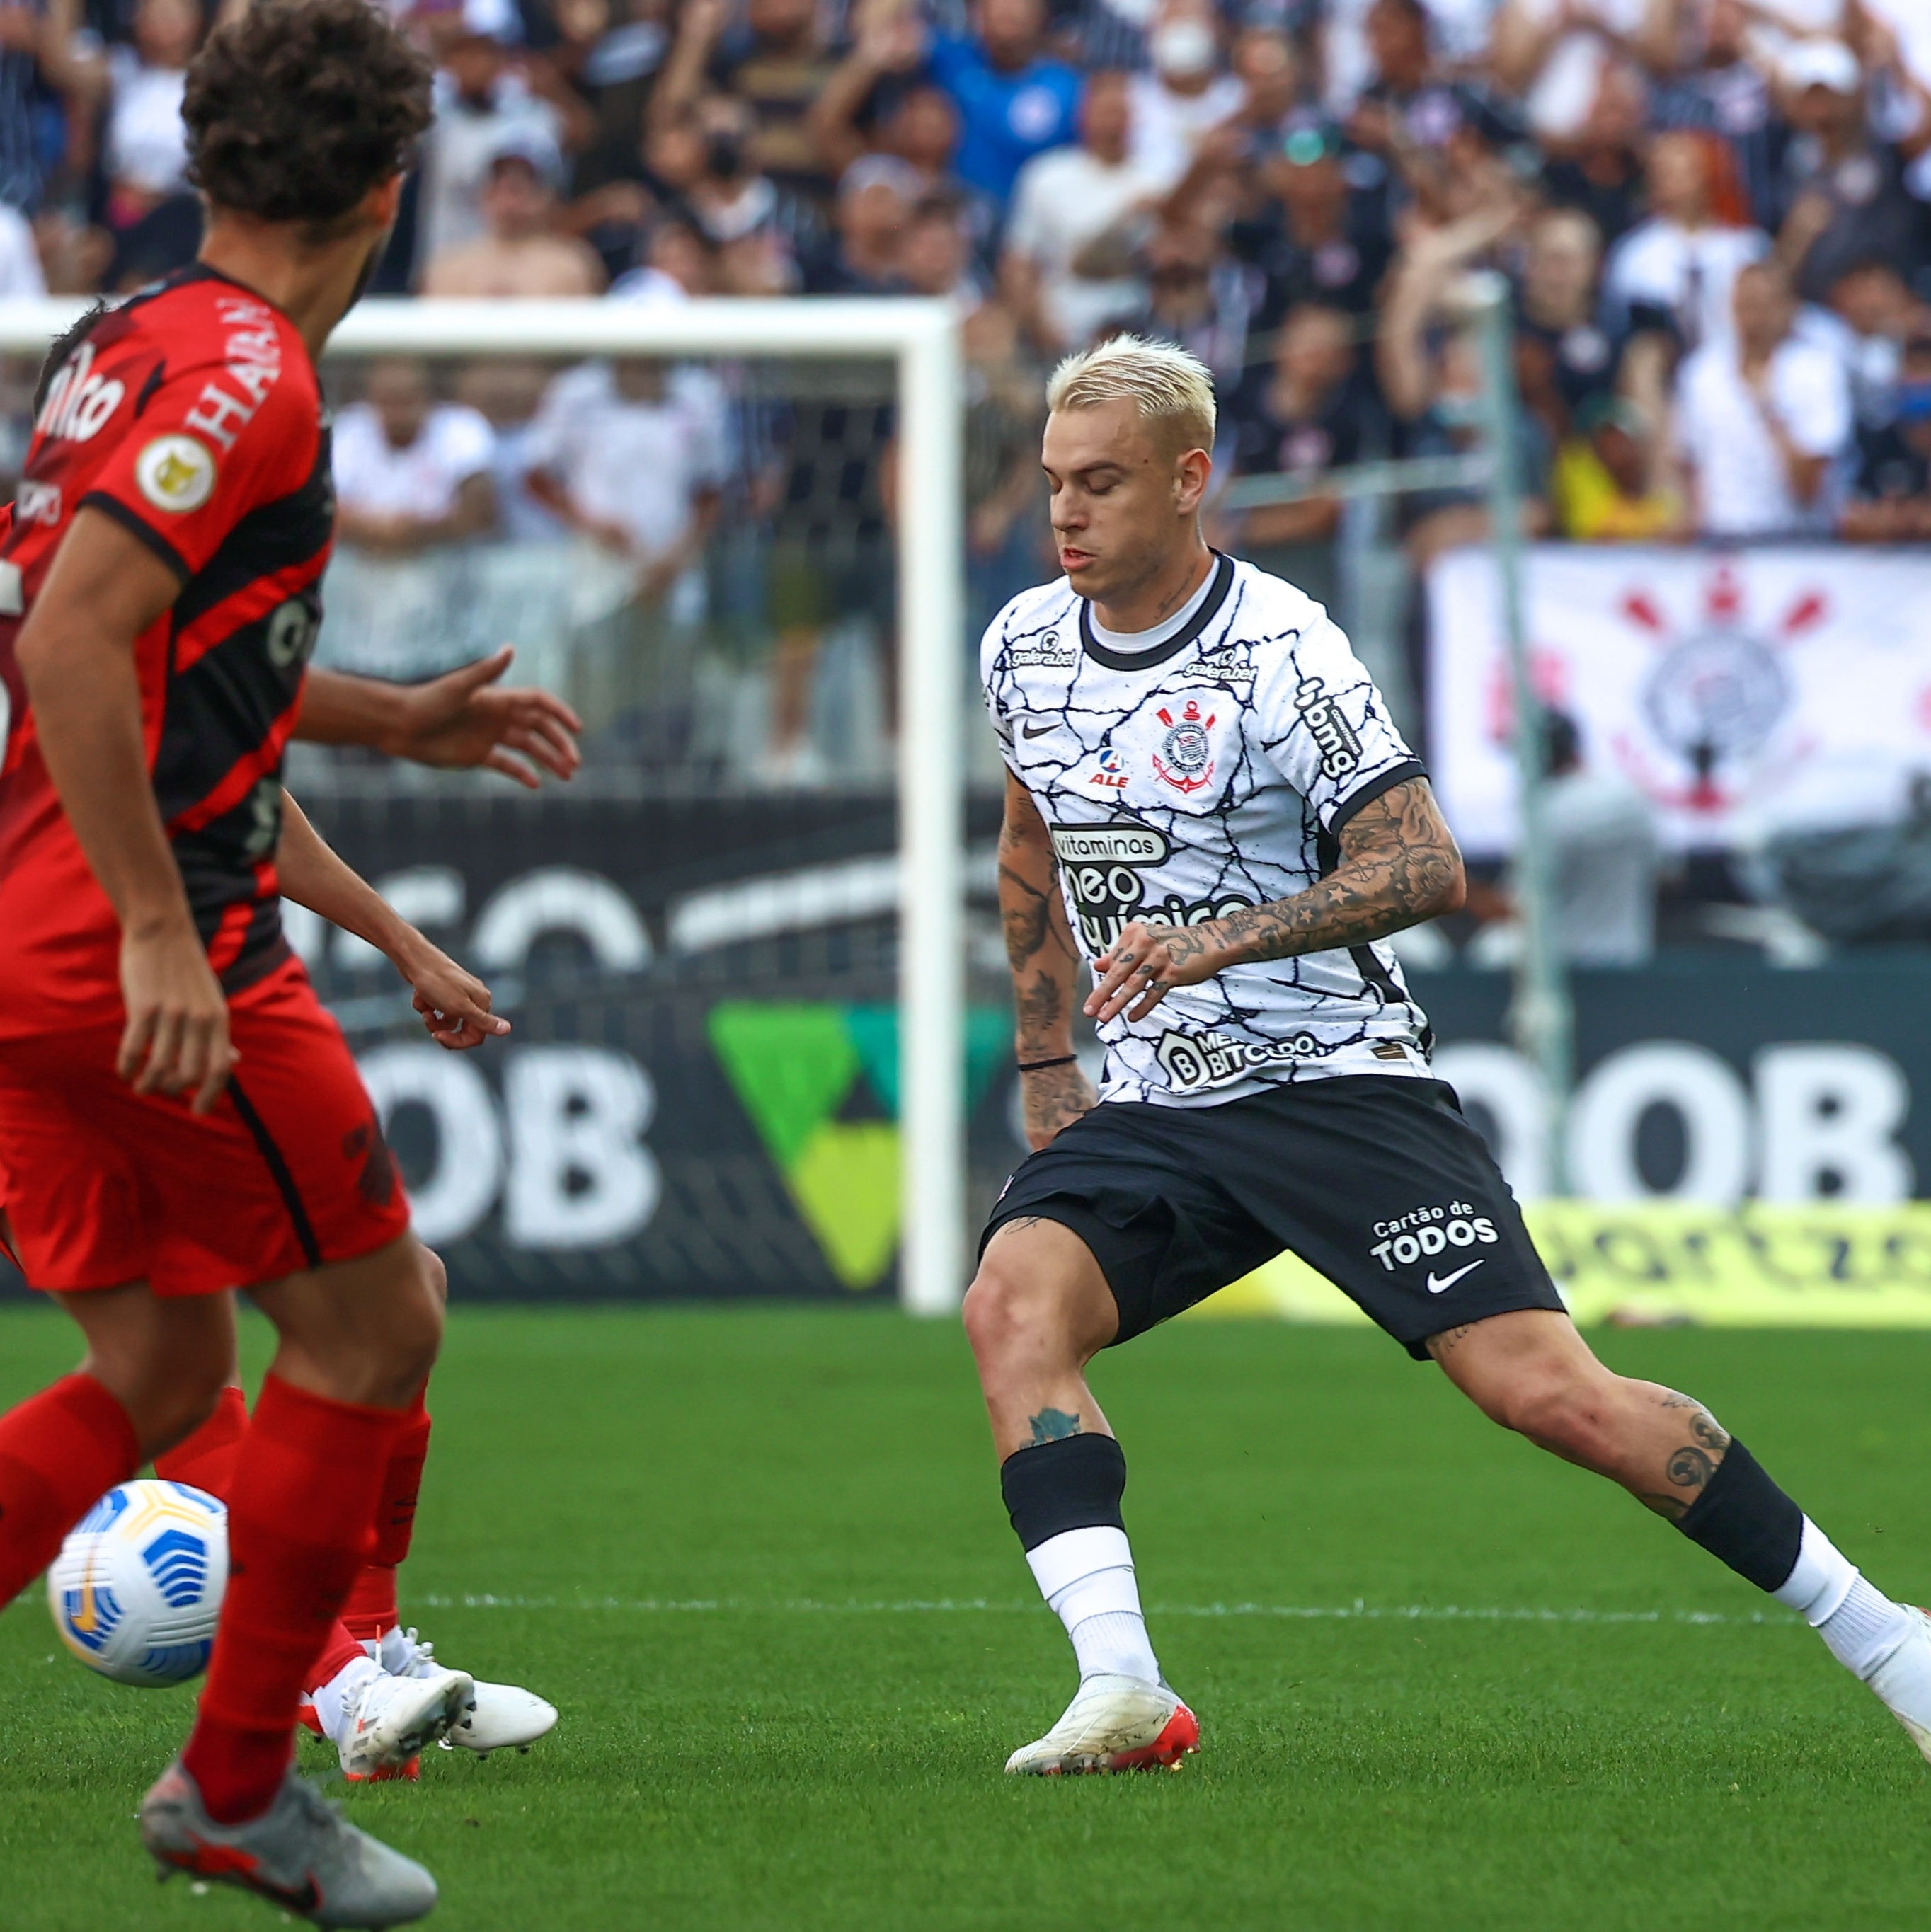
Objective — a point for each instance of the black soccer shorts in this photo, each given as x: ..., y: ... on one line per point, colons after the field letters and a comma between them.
x: 1374, y: 1180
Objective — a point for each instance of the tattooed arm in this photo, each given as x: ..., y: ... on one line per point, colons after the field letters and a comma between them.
x: 1398, y: 866
x: 1044, y: 963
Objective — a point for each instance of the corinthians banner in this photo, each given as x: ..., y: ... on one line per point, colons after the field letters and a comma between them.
x: 1744, y: 692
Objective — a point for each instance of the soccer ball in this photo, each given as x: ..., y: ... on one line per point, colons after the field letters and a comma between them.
x: 137, y: 1585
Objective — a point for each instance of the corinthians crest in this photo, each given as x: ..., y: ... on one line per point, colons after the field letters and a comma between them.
x: 1185, y: 759
x: 1716, y: 693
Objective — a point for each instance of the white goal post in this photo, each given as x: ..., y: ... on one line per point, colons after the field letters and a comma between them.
x: 920, y: 337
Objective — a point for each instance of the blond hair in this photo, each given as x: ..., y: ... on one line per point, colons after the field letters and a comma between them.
x: 1172, y: 391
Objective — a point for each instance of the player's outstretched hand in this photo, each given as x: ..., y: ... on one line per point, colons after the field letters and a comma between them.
x: 176, y: 1039
x: 1146, y: 962
x: 454, y: 1005
x: 465, y: 718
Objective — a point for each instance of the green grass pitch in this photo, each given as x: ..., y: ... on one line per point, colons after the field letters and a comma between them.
x: 758, y: 1560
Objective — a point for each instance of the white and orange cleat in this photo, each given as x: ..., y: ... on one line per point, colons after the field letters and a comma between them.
x: 1113, y: 1723
x: 388, y: 1722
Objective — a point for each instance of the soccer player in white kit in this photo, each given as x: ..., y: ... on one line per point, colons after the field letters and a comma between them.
x: 1209, y: 810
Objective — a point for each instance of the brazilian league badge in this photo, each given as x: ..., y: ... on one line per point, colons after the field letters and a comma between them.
x: 1185, y: 759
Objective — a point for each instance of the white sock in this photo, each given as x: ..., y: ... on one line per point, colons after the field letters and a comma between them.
x: 332, y: 1696
x: 1861, y: 1624
x: 393, y: 1650
x: 1086, y: 1575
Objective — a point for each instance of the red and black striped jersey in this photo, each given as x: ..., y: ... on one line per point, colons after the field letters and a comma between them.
x: 192, y: 416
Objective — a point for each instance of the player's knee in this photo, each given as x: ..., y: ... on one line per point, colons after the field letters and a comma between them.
x: 439, y: 1277
x: 414, y: 1336
x: 1006, y: 1311
x: 168, y: 1410
x: 991, y: 1311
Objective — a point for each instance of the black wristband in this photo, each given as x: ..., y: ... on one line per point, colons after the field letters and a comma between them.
x: 1040, y: 1065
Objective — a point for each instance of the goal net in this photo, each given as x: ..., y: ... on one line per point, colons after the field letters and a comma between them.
x: 757, y: 1023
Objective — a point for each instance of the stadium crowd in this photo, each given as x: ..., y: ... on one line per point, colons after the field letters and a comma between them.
x: 1715, y: 216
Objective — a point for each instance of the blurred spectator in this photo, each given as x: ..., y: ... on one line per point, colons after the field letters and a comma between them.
x: 1715, y: 88
x: 880, y: 100
x: 936, y: 257
x: 1609, y: 483
x: 1555, y: 54
x: 51, y: 82
x: 1005, y: 412
x: 521, y: 254
x: 481, y: 104
x: 146, y: 145
x: 1564, y: 356
x: 166, y: 237
x: 411, y: 474
x: 604, y: 64
x: 1441, y: 137
x: 1186, y: 95
x: 1607, y: 857
x: 1863, y: 322
x: 1891, y: 499
x: 829, y: 574
x: 1014, y: 100
x: 1305, y: 413
x: 1431, y: 380
x: 620, y: 456
x: 1762, y: 415
x: 1269, y: 73
x: 1068, y: 263
x: 20, y: 275
x: 1316, y: 239
x: 1847, y: 200
x: 875, y: 205
x: 1601, y: 171
x: 607, y: 54
x: 678, y: 263
x: 1673, y: 272
x: 708, y: 155
x: 1197, y: 295
x: 776, y: 61
x: 1606, y: 861
x: 505, y: 390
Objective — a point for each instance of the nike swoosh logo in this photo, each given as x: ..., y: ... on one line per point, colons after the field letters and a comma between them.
x: 1037, y: 731
x: 1442, y: 1287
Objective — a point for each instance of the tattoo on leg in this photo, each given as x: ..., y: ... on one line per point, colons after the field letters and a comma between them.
x: 1673, y: 1507
x: 1442, y: 1345
x: 1709, y: 1435
x: 1689, y: 1468
x: 1053, y: 1425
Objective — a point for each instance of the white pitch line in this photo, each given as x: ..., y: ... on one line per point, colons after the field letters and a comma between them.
x: 1359, y: 1610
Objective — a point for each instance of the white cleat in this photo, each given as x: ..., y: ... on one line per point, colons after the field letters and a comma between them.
x: 503, y: 1716
x: 300, y: 1854
x: 1903, y: 1680
x: 1113, y: 1723
x: 388, y: 1721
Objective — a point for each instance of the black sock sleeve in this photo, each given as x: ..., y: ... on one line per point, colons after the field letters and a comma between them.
x: 1074, y: 1484
x: 1742, y: 1519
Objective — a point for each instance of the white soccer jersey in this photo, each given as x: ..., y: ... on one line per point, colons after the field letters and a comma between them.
x: 1207, y: 773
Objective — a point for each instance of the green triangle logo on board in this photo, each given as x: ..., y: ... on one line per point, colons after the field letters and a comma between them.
x: 793, y: 1066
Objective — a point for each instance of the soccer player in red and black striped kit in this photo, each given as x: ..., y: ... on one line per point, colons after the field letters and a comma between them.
x: 177, y: 1113
x: 372, y: 1680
